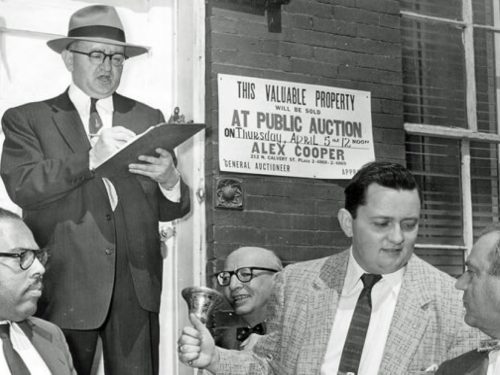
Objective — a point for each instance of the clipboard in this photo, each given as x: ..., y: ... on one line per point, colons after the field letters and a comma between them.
x: 163, y: 135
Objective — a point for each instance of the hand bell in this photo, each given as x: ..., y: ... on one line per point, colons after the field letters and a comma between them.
x: 202, y: 301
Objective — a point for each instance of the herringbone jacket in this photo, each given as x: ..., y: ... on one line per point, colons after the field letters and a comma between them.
x: 427, y: 327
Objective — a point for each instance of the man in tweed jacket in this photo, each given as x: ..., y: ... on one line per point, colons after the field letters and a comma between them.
x: 416, y: 325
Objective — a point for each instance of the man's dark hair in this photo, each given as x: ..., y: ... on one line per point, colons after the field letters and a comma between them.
x: 386, y: 174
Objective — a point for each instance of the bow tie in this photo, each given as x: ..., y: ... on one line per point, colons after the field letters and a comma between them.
x: 242, y: 333
x: 488, y: 345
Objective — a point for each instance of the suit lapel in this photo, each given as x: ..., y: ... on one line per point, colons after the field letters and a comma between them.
x: 409, y: 322
x: 69, y: 124
x: 476, y: 364
x: 119, y: 111
x: 43, y: 342
x: 481, y: 367
x: 470, y: 363
x: 124, y: 114
x: 322, y: 305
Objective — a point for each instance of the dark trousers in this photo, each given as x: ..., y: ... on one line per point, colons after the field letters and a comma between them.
x: 130, y: 334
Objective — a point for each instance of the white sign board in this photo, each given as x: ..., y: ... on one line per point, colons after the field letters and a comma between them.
x: 291, y: 129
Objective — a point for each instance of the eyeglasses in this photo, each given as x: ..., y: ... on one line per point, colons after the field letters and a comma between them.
x: 27, y: 257
x: 244, y: 274
x: 98, y: 57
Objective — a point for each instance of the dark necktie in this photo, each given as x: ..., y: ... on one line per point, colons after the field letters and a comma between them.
x: 242, y: 333
x: 14, y: 360
x: 355, y: 340
x: 95, y: 122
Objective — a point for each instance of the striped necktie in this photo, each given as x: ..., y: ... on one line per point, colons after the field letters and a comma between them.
x: 14, y: 360
x: 355, y: 340
x: 95, y: 121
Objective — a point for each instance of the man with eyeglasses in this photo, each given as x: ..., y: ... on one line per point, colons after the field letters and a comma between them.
x: 374, y: 308
x: 28, y: 345
x: 106, y: 274
x: 481, y: 286
x: 247, y: 282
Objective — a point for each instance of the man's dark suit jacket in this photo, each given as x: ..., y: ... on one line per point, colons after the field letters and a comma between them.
x: 45, y: 168
x: 470, y: 363
x: 50, y: 343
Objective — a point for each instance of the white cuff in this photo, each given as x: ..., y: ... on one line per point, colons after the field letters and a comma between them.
x: 174, y: 193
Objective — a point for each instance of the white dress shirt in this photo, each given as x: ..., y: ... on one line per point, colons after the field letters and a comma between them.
x: 26, y: 350
x: 384, y: 296
x: 105, y: 108
x: 493, y: 362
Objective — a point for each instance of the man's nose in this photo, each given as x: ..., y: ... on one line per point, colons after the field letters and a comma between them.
x: 106, y: 64
x: 461, y: 283
x: 396, y: 234
x: 37, y: 267
x: 234, y: 282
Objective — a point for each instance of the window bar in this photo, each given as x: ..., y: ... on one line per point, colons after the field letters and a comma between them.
x: 468, y: 233
x: 468, y: 39
x: 496, y: 38
x: 439, y: 246
x: 432, y: 18
x: 458, y: 23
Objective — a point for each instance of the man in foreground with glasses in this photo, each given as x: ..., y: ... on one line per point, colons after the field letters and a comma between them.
x: 375, y: 308
x: 481, y: 286
x: 106, y: 271
x: 27, y: 344
x: 247, y: 282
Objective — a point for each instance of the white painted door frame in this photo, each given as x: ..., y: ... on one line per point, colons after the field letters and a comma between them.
x: 171, y: 74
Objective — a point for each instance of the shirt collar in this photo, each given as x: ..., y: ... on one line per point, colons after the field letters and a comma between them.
x: 82, y: 100
x: 355, y: 271
x: 493, y: 356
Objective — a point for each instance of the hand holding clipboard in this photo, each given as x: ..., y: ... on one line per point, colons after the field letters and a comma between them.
x: 163, y: 135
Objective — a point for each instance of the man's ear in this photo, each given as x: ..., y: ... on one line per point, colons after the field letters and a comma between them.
x: 345, y: 221
x: 68, y: 59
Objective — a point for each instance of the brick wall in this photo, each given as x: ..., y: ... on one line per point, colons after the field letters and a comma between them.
x: 353, y: 44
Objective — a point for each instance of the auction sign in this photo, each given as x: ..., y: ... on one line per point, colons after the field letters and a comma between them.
x: 291, y: 129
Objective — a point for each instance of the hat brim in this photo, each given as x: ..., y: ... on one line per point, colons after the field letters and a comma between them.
x: 60, y: 44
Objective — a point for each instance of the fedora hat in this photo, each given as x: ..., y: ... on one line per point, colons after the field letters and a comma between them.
x: 96, y: 23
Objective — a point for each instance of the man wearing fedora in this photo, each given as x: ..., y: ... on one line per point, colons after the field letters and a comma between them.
x: 105, y: 273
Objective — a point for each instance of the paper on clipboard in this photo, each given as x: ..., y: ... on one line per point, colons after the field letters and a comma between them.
x: 163, y: 135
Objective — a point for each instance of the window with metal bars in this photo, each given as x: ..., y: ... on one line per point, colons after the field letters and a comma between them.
x: 451, y: 87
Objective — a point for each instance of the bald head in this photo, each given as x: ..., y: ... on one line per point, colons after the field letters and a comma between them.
x: 251, y: 256
x: 249, y: 298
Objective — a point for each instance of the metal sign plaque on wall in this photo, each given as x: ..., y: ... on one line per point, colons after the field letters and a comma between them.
x: 292, y: 129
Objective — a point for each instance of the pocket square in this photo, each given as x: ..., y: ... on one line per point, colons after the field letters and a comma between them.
x: 432, y: 368
x: 425, y: 371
